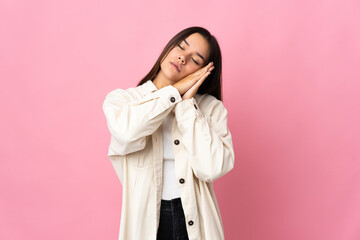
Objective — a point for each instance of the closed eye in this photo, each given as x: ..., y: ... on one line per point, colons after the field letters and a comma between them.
x: 192, y: 58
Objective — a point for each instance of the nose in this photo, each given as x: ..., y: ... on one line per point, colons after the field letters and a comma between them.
x: 181, y: 58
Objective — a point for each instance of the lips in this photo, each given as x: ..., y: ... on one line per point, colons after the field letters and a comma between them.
x: 176, y: 66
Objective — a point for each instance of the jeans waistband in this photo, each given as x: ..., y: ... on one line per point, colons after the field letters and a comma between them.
x: 173, y: 203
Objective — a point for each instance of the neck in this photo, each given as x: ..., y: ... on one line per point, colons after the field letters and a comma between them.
x: 161, y: 81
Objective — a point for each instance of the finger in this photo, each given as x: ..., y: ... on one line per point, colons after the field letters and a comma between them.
x: 203, y: 70
x: 201, y: 80
x: 211, y: 68
x: 206, y: 68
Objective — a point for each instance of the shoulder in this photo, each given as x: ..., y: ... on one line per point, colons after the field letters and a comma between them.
x: 128, y: 93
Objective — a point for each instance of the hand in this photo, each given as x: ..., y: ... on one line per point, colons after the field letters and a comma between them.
x: 193, y: 90
x: 189, y: 85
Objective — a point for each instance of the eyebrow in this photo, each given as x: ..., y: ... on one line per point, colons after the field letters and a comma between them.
x: 196, y: 52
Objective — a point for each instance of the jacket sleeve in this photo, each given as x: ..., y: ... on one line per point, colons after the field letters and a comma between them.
x: 206, y: 137
x: 130, y: 121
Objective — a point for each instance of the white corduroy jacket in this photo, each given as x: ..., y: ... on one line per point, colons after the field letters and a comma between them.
x: 203, y: 152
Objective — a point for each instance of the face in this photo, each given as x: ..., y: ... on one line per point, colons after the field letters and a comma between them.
x: 189, y: 56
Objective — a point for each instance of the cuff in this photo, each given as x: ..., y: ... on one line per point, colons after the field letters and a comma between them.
x: 169, y: 96
x: 186, y: 109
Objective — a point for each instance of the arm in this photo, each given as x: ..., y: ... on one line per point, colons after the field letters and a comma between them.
x: 208, y: 142
x: 130, y: 121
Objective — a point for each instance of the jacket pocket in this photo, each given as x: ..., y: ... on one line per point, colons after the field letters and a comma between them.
x: 142, y: 158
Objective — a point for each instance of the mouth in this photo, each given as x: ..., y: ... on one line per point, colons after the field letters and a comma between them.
x: 175, y: 66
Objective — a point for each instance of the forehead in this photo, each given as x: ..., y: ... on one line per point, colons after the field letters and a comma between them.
x: 199, y: 44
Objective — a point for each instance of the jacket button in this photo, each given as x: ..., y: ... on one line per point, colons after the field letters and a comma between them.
x: 195, y: 106
x: 191, y: 222
x: 182, y: 180
x: 176, y: 142
x: 172, y: 99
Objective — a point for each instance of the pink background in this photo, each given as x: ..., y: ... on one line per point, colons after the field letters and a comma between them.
x: 291, y: 87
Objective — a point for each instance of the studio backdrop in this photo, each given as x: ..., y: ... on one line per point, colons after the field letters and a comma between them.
x: 291, y: 84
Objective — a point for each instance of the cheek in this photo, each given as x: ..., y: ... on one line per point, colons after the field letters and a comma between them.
x: 189, y: 70
x: 169, y: 56
x: 173, y: 53
x: 193, y: 69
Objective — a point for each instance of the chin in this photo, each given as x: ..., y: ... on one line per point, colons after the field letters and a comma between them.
x: 173, y: 77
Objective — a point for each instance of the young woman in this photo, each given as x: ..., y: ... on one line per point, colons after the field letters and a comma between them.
x: 170, y: 142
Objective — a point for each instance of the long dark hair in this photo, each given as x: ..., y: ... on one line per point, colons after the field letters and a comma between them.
x: 212, y: 84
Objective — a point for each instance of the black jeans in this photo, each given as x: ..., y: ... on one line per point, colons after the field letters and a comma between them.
x: 172, y: 224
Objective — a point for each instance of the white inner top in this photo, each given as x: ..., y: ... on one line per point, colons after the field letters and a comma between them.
x: 170, y: 188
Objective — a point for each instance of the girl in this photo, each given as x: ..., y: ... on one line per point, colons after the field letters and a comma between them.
x: 170, y: 142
